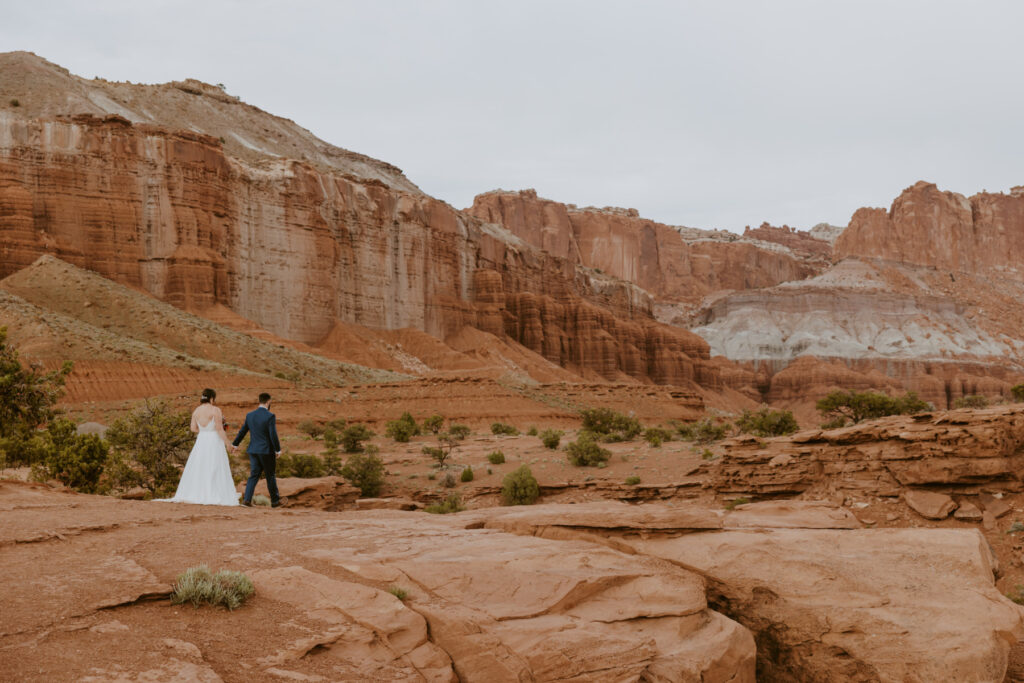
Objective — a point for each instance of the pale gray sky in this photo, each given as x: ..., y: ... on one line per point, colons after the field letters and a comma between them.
x: 707, y: 114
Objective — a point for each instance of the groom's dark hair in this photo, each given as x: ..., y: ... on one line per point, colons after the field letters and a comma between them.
x: 264, y: 397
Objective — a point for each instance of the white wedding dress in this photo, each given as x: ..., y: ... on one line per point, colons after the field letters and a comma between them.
x: 206, y: 479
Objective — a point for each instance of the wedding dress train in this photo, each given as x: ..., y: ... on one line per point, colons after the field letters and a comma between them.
x: 206, y: 479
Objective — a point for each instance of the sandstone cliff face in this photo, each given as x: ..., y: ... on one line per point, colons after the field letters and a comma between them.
x: 942, y: 230
x: 655, y: 256
x: 296, y: 249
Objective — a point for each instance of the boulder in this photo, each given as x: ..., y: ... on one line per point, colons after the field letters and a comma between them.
x: 968, y: 512
x: 929, y: 504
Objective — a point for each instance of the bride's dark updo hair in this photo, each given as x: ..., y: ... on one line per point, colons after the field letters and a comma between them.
x: 208, y: 395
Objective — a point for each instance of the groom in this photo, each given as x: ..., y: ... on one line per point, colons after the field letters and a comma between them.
x: 263, y: 450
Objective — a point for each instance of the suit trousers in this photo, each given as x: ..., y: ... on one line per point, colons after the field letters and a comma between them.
x: 262, y: 463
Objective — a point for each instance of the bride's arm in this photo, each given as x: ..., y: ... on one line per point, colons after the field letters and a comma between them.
x: 195, y: 422
x: 219, y: 417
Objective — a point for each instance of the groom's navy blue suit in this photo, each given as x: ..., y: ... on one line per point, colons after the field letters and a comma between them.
x: 261, y: 425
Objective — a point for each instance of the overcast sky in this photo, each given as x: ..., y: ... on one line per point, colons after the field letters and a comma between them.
x: 708, y: 114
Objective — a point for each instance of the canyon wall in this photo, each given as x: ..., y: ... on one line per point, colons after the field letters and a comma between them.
x: 673, y: 264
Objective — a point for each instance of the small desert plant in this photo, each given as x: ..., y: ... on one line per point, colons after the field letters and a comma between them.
x: 586, y: 452
x: 632, y: 481
x: 496, y: 457
x: 703, y: 431
x: 433, y: 424
x: 15, y: 102
x: 835, y: 423
x: 707, y: 454
x: 353, y: 436
x: 1017, y: 391
x: 500, y: 428
x: 448, y: 481
x: 656, y: 436
x: 310, y: 429
x: 398, y: 592
x: 520, y: 487
x: 332, y: 464
x: 1015, y: 528
x: 338, y: 424
x: 736, y: 502
x: 402, y: 429
x: 971, y: 401
x: 366, y: 472
x: 302, y: 465
x: 459, y: 432
x: 432, y: 476
x: 467, y: 474
x: 261, y: 500
x: 198, y: 585
x: 551, y: 438
x: 610, y: 425
x: 532, y: 431
x: 453, y: 503
x: 767, y: 422
x: 76, y: 460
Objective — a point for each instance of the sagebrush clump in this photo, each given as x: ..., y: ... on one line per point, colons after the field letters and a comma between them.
x: 520, y: 487
x: 453, y: 503
x: 656, y: 436
x: 502, y: 429
x: 551, y: 438
x: 609, y: 425
x: 302, y: 465
x: 199, y: 585
x: 496, y: 457
x: 402, y: 429
x: 366, y: 472
x: 586, y: 452
x: 703, y: 431
x: 971, y: 401
x: 767, y: 422
x: 467, y: 474
x: 353, y: 436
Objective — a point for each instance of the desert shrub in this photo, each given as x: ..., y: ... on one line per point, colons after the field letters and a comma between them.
x: 453, y: 503
x: 971, y: 401
x: 398, y: 592
x: 459, y: 432
x: 448, y: 481
x: 302, y: 465
x: 353, y: 436
x: 15, y: 102
x: 331, y: 440
x: 834, y: 423
x: 736, y: 502
x: 632, y: 481
x: 520, y: 487
x: 610, y: 425
x: 706, y: 454
x: 402, y: 429
x: 332, y: 464
x: 1017, y: 594
x: 1017, y: 391
x: 867, y: 405
x: 261, y: 500
x: 532, y: 431
x: 500, y: 428
x: 433, y: 424
x: 551, y: 438
x: 310, y: 429
x: 703, y: 431
x: 366, y: 472
x: 467, y: 474
x: 1016, y: 527
x: 656, y: 436
x: 75, y: 460
x: 496, y: 457
x: 767, y: 422
x: 586, y: 452
x: 149, y: 448
x: 338, y: 424
x: 199, y: 585
x: 27, y: 400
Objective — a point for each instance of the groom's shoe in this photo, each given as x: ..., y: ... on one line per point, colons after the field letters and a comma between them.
x: 247, y: 503
x: 277, y: 503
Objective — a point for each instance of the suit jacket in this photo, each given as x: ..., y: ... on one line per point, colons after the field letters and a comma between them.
x: 261, y: 425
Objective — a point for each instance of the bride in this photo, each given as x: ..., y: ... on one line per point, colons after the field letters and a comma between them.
x: 207, y: 476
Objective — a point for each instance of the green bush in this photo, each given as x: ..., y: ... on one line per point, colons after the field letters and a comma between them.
x: 551, y: 438
x: 302, y: 465
x: 149, y: 449
x: 310, y: 429
x: 366, y: 472
x: 398, y: 592
x: 28, y: 397
x: 467, y: 474
x: 736, y: 502
x: 332, y: 464
x: 337, y: 424
x: 971, y: 401
x: 198, y: 585
x: 500, y: 428
x: 402, y: 429
x: 767, y: 422
x: 656, y: 436
x: 632, y: 481
x: 703, y: 431
x: 448, y: 481
x: 610, y: 425
x: 532, y: 431
x: 1017, y: 391
x: 453, y: 503
x: 520, y: 487
x: 496, y: 457
x: 76, y: 460
x: 459, y: 432
x: 868, y: 405
x: 433, y: 424
x: 331, y: 440
x: 585, y: 451
x: 353, y: 436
